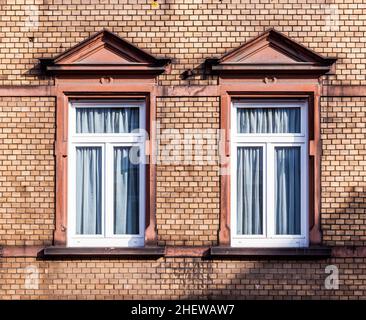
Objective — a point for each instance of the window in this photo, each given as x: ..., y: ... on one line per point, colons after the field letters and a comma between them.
x: 106, y: 198
x: 269, y: 207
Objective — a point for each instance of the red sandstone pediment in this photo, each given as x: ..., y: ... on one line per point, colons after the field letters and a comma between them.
x: 105, y: 51
x: 271, y: 51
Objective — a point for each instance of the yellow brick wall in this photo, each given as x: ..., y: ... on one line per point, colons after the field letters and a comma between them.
x: 187, y: 209
x: 187, y: 31
x: 188, y: 190
x: 179, y: 278
x: 27, y: 170
x: 343, y: 129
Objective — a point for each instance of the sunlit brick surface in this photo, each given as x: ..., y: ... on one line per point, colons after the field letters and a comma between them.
x: 344, y: 170
x: 188, y: 31
x: 187, y: 195
x: 188, y: 190
x: 187, y: 278
x: 27, y: 170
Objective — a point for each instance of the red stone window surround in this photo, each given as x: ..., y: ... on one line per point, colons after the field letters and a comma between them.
x: 271, y: 66
x: 104, y: 66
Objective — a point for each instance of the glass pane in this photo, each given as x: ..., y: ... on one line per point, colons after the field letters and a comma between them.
x: 269, y: 120
x: 288, y: 190
x: 126, y: 193
x: 106, y: 120
x: 250, y: 190
x: 88, y: 190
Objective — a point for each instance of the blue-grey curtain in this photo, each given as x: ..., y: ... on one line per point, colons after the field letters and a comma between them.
x: 106, y: 120
x: 269, y: 120
x: 88, y: 190
x: 126, y: 193
x: 250, y: 190
x: 288, y: 190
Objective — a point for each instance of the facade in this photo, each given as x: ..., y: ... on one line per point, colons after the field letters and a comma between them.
x: 194, y: 149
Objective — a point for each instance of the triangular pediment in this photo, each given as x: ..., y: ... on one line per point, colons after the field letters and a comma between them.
x: 274, y: 51
x: 266, y: 53
x: 105, y: 53
x: 105, y: 49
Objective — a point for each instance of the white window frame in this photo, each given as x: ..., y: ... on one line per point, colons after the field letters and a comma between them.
x: 107, y: 141
x: 269, y: 142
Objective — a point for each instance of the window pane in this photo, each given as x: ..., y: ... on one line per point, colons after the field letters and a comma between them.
x: 106, y: 120
x: 250, y: 190
x: 269, y: 120
x: 126, y: 193
x: 288, y: 190
x: 88, y: 190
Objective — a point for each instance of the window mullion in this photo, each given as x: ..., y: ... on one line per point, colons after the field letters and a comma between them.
x: 108, y: 191
x: 270, y: 199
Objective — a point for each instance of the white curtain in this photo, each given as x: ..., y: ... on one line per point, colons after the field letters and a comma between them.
x: 88, y: 190
x: 126, y: 193
x: 250, y: 190
x: 288, y: 190
x: 106, y: 120
x: 269, y: 120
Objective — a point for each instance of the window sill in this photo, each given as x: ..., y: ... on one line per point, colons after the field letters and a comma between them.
x: 268, y: 253
x: 80, y: 253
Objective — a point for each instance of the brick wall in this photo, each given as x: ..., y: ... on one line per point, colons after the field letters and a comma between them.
x: 187, y: 194
x: 188, y: 31
x: 173, y: 278
x: 343, y: 170
x: 27, y: 170
x: 188, y: 191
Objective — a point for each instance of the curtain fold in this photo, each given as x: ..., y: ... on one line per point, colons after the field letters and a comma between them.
x: 269, y: 120
x: 288, y: 190
x: 126, y: 193
x: 88, y: 190
x: 250, y: 190
x: 106, y: 120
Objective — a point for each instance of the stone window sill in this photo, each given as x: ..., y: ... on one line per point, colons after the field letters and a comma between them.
x: 155, y: 252
x: 270, y: 253
x: 135, y: 253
